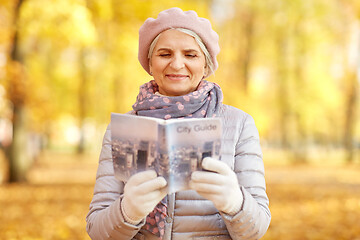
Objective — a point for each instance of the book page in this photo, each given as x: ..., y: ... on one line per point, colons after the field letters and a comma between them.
x: 188, y: 142
x: 134, y: 144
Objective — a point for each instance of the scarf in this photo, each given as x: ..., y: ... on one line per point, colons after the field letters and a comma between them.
x: 205, y: 101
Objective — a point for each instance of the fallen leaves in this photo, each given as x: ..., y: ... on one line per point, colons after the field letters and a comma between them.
x: 306, y: 205
x: 44, y: 211
x: 306, y: 202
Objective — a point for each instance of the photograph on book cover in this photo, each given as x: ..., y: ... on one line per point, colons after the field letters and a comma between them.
x: 174, y: 150
x: 133, y: 143
x: 187, y: 144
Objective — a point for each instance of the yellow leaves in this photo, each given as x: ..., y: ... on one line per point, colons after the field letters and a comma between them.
x: 81, y: 25
x: 104, y: 9
x: 44, y: 212
x: 317, y: 213
x: 310, y: 202
x: 59, y: 19
x: 314, y: 202
x: 17, y: 85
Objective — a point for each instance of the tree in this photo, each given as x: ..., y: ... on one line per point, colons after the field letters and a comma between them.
x: 19, y: 161
x: 351, y: 12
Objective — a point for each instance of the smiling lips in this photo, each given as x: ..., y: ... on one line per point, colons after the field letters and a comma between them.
x: 176, y: 77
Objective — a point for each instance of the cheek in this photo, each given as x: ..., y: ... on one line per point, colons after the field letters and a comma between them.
x: 199, y: 69
x: 157, y: 66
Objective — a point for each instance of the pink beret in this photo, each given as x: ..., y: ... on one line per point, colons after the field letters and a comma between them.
x: 177, y: 18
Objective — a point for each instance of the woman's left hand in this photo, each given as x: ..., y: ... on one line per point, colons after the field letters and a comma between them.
x: 220, y: 186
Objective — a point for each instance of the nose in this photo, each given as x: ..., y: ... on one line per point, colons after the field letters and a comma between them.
x: 177, y: 62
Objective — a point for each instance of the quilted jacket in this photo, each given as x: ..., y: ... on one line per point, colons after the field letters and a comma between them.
x: 190, y: 216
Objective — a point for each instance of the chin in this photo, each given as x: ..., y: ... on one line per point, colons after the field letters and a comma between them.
x: 177, y: 93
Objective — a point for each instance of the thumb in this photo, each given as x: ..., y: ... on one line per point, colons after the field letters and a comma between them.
x: 214, y: 165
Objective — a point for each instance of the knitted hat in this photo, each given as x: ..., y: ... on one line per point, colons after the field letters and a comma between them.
x: 177, y: 18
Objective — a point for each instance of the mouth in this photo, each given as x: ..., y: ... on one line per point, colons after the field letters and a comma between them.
x: 176, y: 77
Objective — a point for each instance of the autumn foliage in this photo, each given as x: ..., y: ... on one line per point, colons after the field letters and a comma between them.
x: 65, y: 65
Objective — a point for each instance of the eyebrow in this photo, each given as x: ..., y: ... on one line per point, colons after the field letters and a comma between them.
x: 163, y: 49
x: 185, y: 50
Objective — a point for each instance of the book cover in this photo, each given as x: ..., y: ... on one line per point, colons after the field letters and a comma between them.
x: 173, y: 148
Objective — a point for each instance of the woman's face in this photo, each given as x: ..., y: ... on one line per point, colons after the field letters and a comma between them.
x: 177, y: 63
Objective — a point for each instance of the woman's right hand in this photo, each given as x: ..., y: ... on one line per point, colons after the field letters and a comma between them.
x: 142, y: 193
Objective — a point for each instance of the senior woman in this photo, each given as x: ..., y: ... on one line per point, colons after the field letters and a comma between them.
x: 178, y: 49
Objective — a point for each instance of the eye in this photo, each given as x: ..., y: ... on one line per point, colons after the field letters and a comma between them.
x: 191, y: 55
x: 164, y: 54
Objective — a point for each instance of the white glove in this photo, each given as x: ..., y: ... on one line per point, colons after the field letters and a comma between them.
x: 142, y: 193
x: 219, y: 186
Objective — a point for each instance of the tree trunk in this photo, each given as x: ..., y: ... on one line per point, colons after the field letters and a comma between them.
x: 282, y: 89
x: 82, y: 91
x: 249, y: 29
x: 19, y: 161
x: 300, y: 148
x: 350, y: 115
x: 352, y: 77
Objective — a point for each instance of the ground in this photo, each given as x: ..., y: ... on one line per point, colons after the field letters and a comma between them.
x: 307, y: 201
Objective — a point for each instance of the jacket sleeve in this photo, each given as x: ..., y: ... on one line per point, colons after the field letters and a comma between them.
x: 105, y: 219
x: 253, y: 219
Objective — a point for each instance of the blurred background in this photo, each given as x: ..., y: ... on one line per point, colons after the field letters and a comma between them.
x: 65, y: 65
